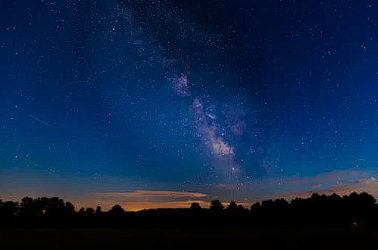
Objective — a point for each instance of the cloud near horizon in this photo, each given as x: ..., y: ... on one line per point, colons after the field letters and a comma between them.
x: 369, y: 185
x: 138, y: 205
x: 341, y: 182
x: 146, y: 199
x: 148, y: 194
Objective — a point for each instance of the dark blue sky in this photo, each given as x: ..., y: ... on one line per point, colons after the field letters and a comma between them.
x: 231, y: 99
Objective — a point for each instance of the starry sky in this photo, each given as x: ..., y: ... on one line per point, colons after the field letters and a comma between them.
x: 161, y: 103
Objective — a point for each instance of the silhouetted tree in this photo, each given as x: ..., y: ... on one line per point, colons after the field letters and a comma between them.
x: 69, y: 208
x: 360, y: 207
x: 354, y: 210
x: 242, y: 210
x: 55, y: 207
x: 366, y: 200
x: 43, y: 203
x: 256, y: 208
x: 216, y: 206
x: 30, y: 208
x: 89, y: 210
x: 98, y: 210
x: 9, y: 209
x: 117, y: 209
x: 232, y: 208
x: 195, y: 207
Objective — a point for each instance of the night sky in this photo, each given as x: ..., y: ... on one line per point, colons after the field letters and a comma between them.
x: 161, y: 103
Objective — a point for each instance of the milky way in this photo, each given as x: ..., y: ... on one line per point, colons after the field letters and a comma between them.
x: 211, y: 123
x: 181, y: 85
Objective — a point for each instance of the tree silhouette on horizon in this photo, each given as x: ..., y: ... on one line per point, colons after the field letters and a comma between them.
x: 216, y: 207
x: 116, y: 209
x: 354, y: 211
x: 195, y: 206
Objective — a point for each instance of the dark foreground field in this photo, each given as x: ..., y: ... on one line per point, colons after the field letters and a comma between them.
x: 174, y: 238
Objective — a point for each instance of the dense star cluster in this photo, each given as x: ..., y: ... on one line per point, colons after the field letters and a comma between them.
x: 236, y: 99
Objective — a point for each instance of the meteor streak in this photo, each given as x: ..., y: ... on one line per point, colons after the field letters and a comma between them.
x: 39, y: 120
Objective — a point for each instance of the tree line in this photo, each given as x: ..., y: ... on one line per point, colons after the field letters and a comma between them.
x: 354, y: 210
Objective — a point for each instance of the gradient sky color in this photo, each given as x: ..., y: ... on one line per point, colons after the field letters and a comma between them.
x: 121, y: 101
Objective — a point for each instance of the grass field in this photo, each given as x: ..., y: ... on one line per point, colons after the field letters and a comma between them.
x: 174, y: 238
